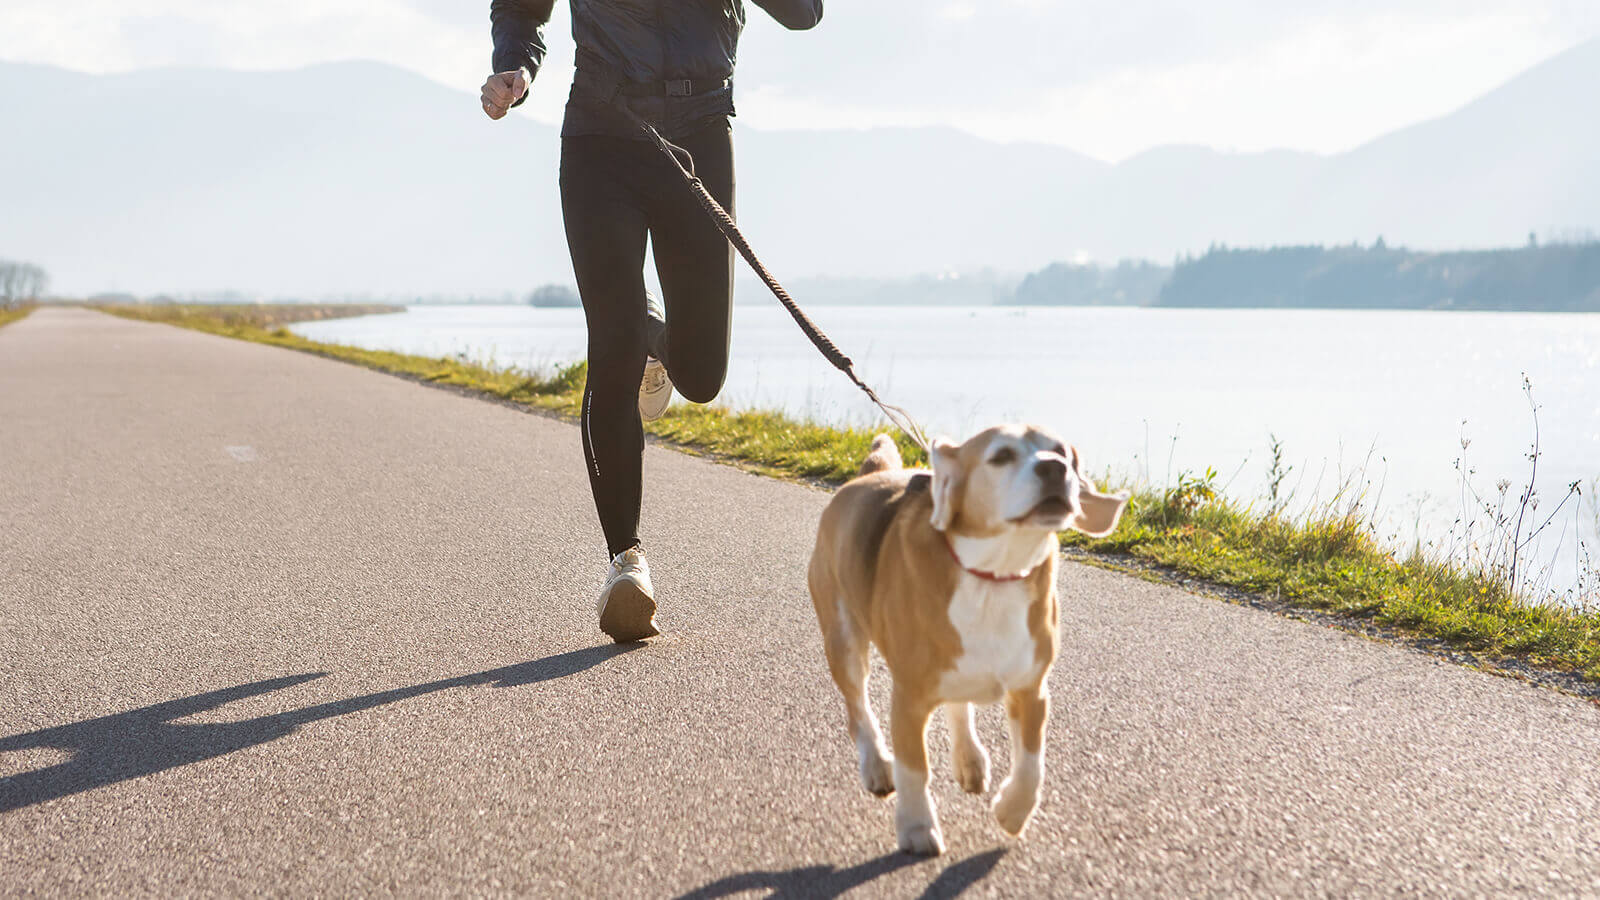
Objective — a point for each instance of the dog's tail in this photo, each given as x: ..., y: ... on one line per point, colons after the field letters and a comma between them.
x: 884, y: 455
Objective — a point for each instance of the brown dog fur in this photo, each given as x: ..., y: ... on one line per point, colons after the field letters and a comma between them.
x: 882, y: 574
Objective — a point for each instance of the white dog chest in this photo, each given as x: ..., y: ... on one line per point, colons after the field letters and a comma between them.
x: 998, y: 652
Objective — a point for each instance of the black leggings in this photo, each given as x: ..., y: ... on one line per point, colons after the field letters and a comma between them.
x: 615, y: 192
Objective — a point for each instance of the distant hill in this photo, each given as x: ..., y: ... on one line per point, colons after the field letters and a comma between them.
x: 284, y: 183
x: 1557, y: 278
x: 1128, y: 283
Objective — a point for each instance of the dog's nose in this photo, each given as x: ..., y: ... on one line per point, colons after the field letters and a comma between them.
x: 1051, y: 470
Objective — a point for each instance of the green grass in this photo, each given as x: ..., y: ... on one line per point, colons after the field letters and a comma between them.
x: 245, y: 318
x: 1333, y: 564
x: 265, y: 325
x: 9, y: 314
x: 774, y: 442
x: 1328, y: 562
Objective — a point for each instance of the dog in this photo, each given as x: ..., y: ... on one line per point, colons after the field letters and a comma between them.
x: 952, y: 575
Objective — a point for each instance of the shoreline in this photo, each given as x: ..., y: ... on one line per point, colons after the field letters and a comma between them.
x: 1325, y: 570
x: 16, y: 314
x: 1571, y: 683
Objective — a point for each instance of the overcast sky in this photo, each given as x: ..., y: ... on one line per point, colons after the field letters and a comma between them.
x: 1106, y: 77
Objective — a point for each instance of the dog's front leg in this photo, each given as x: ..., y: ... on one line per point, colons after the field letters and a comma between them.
x: 915, y: 819
x: 1027, y: 710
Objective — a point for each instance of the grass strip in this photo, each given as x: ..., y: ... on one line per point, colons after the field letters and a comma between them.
x: 1331, y: 563
x: 1335, y: 565
x: 9, y: 314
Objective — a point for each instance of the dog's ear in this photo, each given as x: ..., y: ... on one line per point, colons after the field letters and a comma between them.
x: 1097, y: 513
x: 948, y: 478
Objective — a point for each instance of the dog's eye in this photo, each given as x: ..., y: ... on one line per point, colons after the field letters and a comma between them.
x: 1003, y: 457
x: 1059, y: 449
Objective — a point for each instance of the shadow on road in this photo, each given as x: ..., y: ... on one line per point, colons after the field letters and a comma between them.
x: 144, y: 741
x: 826, y: 881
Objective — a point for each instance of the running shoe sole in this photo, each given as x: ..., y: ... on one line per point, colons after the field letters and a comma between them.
x: 653, y: 404
x: 628, y: 613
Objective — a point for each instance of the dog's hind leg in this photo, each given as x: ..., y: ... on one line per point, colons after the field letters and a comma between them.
x: 844, y: 640
x: 1027, y: 711
x: 967, y: 755
x: 848, y: 660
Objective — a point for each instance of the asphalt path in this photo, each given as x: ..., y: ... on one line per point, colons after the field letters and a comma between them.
x: 273, y: 624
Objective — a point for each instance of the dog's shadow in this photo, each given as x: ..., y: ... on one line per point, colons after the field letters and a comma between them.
x: 128, y: 745
x: 825, y: 881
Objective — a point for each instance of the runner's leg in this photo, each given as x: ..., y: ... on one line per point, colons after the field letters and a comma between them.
x: 606, y: 228
x: 695, y: 263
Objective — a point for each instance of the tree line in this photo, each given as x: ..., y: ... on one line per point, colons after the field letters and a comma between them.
x: 1539, y: 277
x: 1549, y: 278
x: 21, y: 283
x: 1128, y: 283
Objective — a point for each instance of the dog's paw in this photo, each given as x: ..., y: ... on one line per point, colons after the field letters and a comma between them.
x: 877, y: 776
x: 1013, y: 807
x: 972, y: 770
x: 923, y: 839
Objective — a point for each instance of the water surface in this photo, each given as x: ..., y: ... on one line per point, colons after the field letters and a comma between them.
x: 1377, y: 398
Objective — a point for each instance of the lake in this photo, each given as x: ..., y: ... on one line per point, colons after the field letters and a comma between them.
x: 1378, y: 400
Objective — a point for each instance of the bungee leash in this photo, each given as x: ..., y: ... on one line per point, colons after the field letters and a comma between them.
x: 683, y: 161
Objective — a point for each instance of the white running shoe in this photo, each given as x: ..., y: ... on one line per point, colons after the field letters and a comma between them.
x: 655, y: 390
x: 627, y: 603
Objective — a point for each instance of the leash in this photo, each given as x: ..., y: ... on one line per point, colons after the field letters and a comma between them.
x: 683, y: 161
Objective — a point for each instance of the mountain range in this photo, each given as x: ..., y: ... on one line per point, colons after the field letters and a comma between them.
x: 364, y: 179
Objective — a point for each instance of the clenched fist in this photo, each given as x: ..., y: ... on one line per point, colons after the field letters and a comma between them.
x: 502, y: 90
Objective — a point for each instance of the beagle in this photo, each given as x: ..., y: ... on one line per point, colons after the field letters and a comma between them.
x: 952, y: 575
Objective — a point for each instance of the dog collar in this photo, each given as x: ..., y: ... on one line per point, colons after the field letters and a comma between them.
x: 979, y: 573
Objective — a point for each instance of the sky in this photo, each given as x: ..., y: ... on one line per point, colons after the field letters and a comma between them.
x: 1107, y: 78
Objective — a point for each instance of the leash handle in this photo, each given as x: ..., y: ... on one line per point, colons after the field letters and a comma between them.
x: 724, y: 222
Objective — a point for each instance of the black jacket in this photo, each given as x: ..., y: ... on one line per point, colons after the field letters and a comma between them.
x: 645, y: 43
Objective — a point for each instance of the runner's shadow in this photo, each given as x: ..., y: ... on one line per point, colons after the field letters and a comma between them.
x: 144, y: 741
x: 826, y: 881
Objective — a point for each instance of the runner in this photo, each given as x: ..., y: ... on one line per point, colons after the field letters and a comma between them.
x: 673, y: 61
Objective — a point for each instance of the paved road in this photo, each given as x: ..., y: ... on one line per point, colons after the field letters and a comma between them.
x: 271, y: 623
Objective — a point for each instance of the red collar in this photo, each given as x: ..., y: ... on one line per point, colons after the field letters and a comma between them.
x: 978, y: 573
